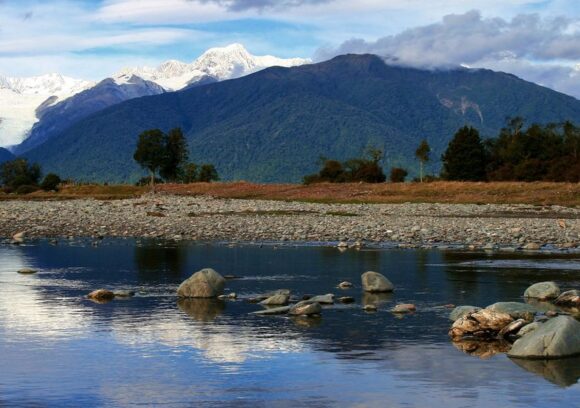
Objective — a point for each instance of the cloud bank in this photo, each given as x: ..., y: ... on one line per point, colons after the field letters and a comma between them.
x: 242, y: 5
x: 546, y: 51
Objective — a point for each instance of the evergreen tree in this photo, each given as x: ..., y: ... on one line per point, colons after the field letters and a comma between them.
x: 151, y: 151
x: 175, y: 155
x: 208, y: 173
x: 18, y: 172
x: 422, y: 153
x: 398, y: 175
x: 465, y: 158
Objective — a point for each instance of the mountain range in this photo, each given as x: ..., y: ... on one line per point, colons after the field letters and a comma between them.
x: 273, y: 125
x: 36, y: 108
x: 5, y: 155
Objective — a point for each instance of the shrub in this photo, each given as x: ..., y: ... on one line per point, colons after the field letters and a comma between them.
x: 398, y: 175
x: 26, y: 189
x: 50, y: 182
x: 208, y: 173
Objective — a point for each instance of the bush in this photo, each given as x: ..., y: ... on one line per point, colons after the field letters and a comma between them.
x: 18, y: 172
x: 145, y: 181
x: 398, y: 175
x: 50, y: 182
x: 26, y: 189
x: 350, y: 171
x: 208, y: 173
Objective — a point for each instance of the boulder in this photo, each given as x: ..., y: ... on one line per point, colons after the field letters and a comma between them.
x: 101, y: 295
x: 273, y: 311
x: 404, y: 308
x: 528, y: 328
x: 280, y: 299
x: 461, y: 311
x: 305, y: 308
x: 345, y: 285
x: 375, y: 282
x: 327, y: 299
x: 512, y: 328
x: 532, y: 246
x: 482, y: 324
x: 570, y: 298
x: 543, y: 291
x: 558, y: 337
x: 27, y: 271
x: 206, y: 283
x: 517, y: 310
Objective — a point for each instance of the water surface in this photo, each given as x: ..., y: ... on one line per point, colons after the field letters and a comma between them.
x: 58, y: 349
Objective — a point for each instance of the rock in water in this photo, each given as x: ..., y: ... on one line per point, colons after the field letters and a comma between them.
x: 345, y: 285
x: 375, y: 282
x: 570, y: 298
x: 206, y: 283
x: 327, y: 299
x: 516, y: 310
x: 305, y: 308
x: 27, y: 271
x: 483, y: 324
x: 280, y: 299
x: 404, y: 308
x: 543, y: 291
x: 273, y: 311
x: 461, y: 311
x: 18, y: 237
x: 558, y: 337
x: 101, y: 295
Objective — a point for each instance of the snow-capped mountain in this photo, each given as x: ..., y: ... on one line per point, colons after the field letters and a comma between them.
x: 21, y: 97
x: 23, y: 101
x: 232, y: 61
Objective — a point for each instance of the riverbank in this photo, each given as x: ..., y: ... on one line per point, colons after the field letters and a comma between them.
x: 209, y: 219
x: 537, y: 193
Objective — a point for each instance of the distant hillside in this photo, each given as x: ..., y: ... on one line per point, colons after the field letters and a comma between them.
x: 5, y: 155
x: 274, y: 125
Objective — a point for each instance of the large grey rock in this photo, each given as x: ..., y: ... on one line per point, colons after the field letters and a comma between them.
x: 327, y: 299
x: 375, y: 282
x: 570, y: 298
x: 527, y: 329
x: 206, y: 283
x: 305, y: 308
x: 461, y: 311
x: 558, y: 337
x: 543, y: 291
x: 280, y: 299
x: 516, y: 310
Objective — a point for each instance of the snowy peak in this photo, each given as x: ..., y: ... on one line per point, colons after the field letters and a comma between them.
x: 45, y: 85
x: 221, y: 63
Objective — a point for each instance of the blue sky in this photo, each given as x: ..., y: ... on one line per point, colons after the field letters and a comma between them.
x: 536, y: 39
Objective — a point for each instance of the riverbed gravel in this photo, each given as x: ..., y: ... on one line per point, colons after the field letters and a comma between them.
x: 214, y: 219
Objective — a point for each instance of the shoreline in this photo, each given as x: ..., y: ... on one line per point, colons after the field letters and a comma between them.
x: 204, y: 219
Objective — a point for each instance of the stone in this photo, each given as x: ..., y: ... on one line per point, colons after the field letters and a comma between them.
x: 375, y: 282
x: 513, y: 327
x: 280, y: 299
x: 18, y: 237
x: 273, y: 311
x: 124, y: 293
x: 327, y: 299
x: 461, y: 311
x: 342, y: 244
x: 532, y: 246
x: 27, y: 271
x: 570, y: 298
x: 528, y: 328
x: 558, y: 337
x: 101, y: 295
x: 516, y: 310
x: 543, y: 291
x: 305, y: 308
x: 369, y: 308
x: 482, y: 324
x: 205, y: 283
x: 345, y: 285
x: 404, y: 308
x: 346, y: 299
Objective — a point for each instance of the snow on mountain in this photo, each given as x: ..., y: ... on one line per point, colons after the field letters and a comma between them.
x: 232, y: 61
x: 21, y: 97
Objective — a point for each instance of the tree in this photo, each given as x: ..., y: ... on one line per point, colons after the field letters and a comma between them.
x: 208, y: 173
x: 151, y: 151
x: 50, y: 182
x: 190, y: 173
x: 398, y: 175
x: 465, y: 158
x: 175, y: 155
x: 422, y: 153
x: 18, y: 172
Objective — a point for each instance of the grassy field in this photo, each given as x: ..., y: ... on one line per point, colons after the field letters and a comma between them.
x: 539, y: 193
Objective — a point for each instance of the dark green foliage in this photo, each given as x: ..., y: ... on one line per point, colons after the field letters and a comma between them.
x: 18, y: 172
x: 176, y: 155
x: 353, y: 170
x: 207, y: 173
x: 398, y: 175
x: 190, y: 173
x: 26, y: 189
x: 273, y: 125
x: 465, y: 158
x: 550, y: 153
x: 151, y: 151
x: 50, y: 182
x: 422, y: 153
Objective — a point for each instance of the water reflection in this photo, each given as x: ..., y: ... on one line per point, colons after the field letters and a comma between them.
x: 203, y: 310
x: 564, y: 372
x: 482, y: 349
